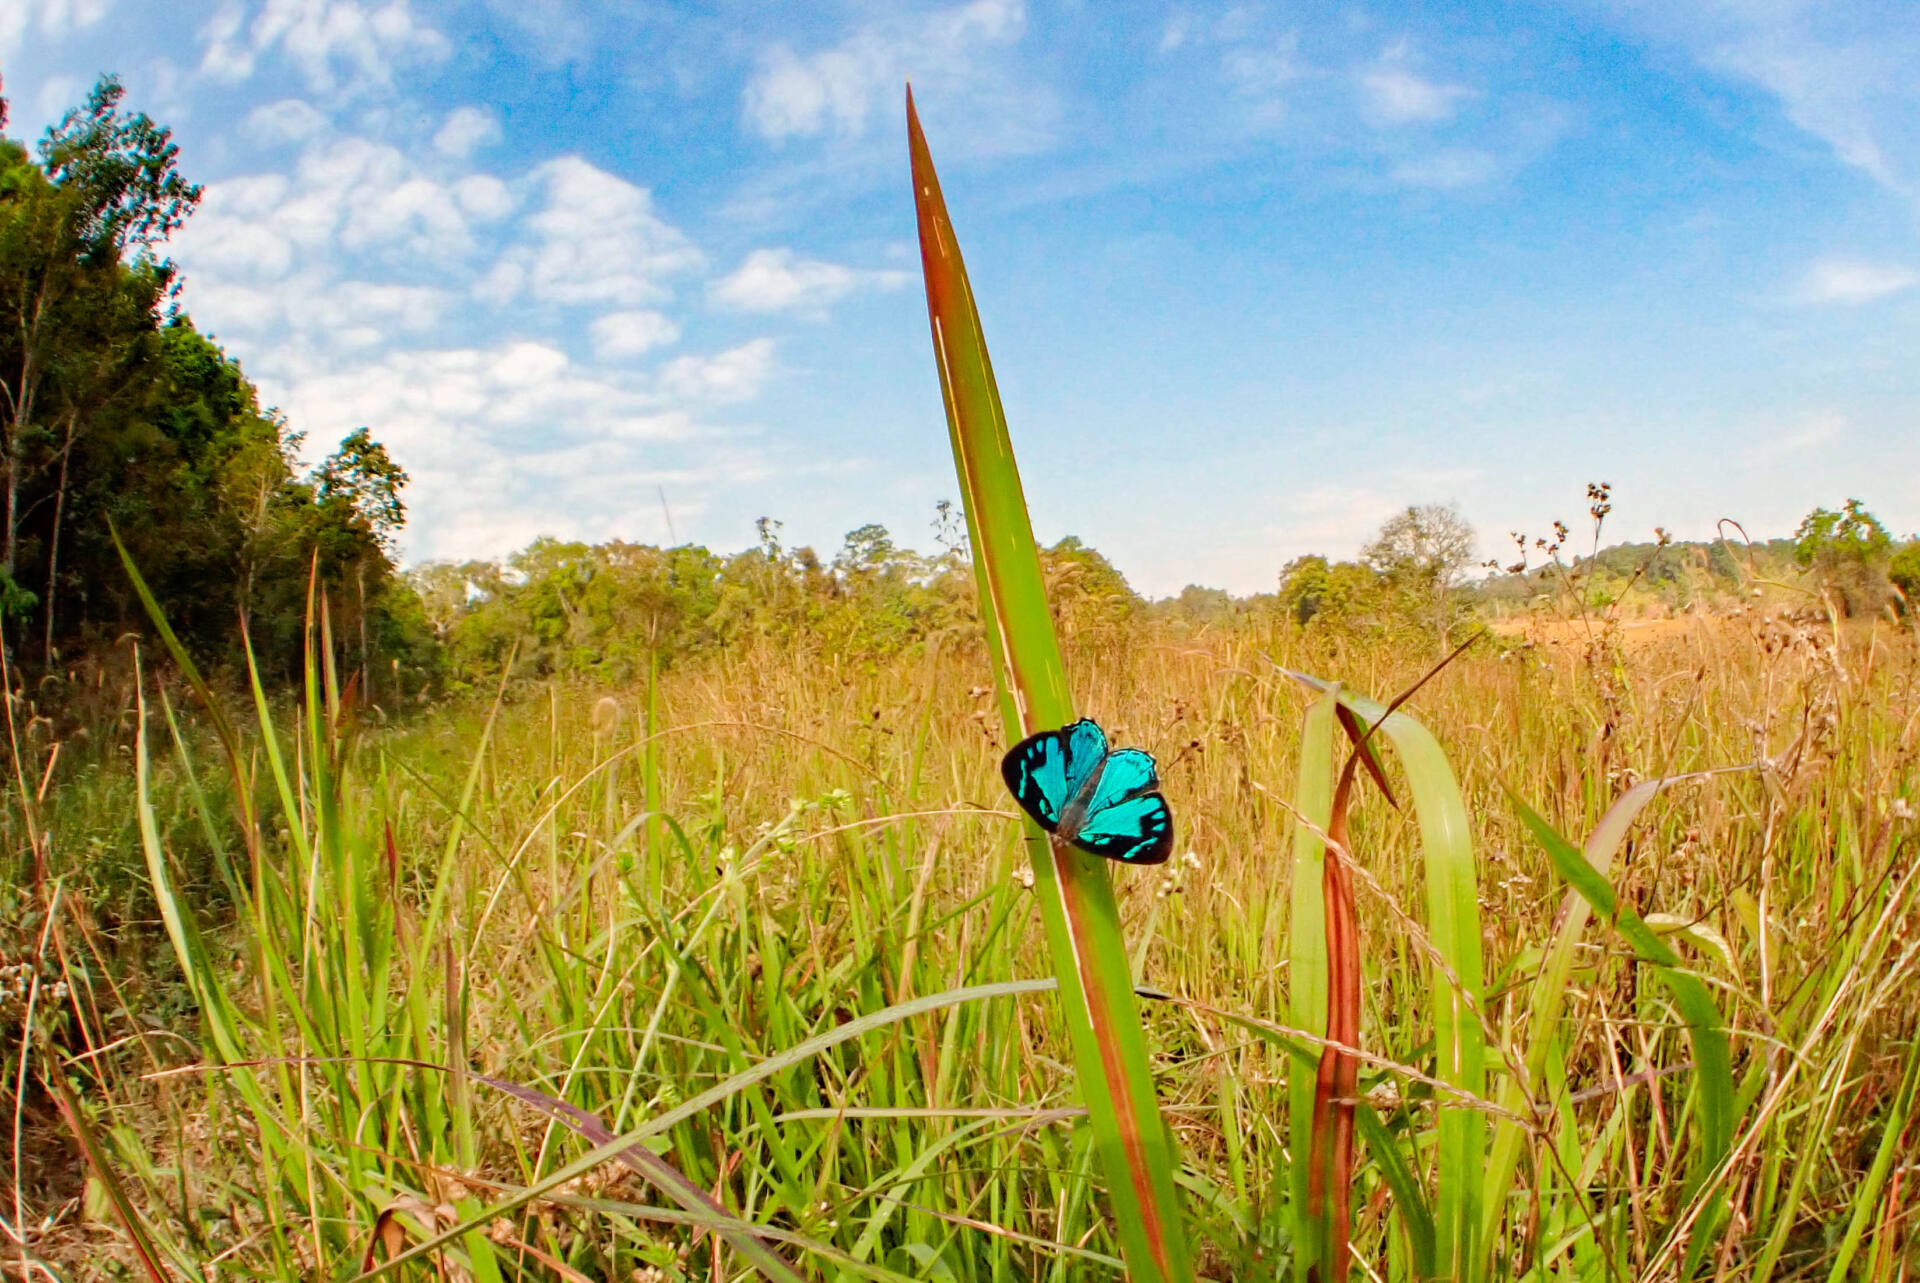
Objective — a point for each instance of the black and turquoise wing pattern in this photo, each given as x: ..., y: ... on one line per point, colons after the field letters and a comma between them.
x: 1136, y: 831
x: 1046, y: 771
x: 1105, y: 803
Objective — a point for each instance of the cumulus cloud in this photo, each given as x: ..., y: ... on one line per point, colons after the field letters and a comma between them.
x: 778, y: 280
x: 512, y: 440
x: 485, y: 198
x: 278, y: 253
x: 734, y: 375
x: 1260, y: 75
x: 1813, y: 430
x: 58, y: 95
x: 597, y: 239
x: 620, y: 335
x: 1391, y: 93
x: 1332, y: 515
x: 837, y: 90
x: 335, y: 44
x: 1850, y: 280
x: 466, y: 130
x: 346, y: 284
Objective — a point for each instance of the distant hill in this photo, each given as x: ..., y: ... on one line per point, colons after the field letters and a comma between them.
x: 1651, y: 576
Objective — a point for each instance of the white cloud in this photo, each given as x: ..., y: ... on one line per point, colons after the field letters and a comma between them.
x: 351, y: 191
x: 618, y: 335
x: 323, y: 38
x: 1331, y: 516
x: 1262, y: 73
x: 1450, y: 167
x: 597, y: 240
x: 290, y: 120
x: 1392, y: 94
x: 1849, y: 280
x: 1841, y: 72
x: 466, y: 130
x: 515, y: 440
x: 778, y: 280
x: 275, y: 254
x: 51, y: 19
x: 838, y: 90
x: 344, y: 282
x: 734, y: 375
x: 485, y: 198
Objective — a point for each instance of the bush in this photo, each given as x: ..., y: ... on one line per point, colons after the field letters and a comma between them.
x: 1903, y: 570
x: 1848, y: 552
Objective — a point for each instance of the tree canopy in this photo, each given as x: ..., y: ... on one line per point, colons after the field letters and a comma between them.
x: 118, y: 417
x: 1849, y: 552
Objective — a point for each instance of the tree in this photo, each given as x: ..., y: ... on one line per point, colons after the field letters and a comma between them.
x: 1346, y: 593
x: 363, y: 478
x: 1848, y: 552
x: 1087, y: 592
x: 1421, y: 553
x: 865, y: 551
x: 1429, y: 545
x: 120, y: 422
x: 77, y: 320
x: 1202, y: 605
x: 1904, y: 570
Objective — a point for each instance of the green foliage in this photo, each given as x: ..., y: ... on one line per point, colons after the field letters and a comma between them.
x: 1085, y: 591
x: 116, y: 413
x: 609, y: 611
x: 1405, y: 583
x: 1903, y: 570
x: 1848, y: 552
x: 1342, y: 594
x: 118, y: 170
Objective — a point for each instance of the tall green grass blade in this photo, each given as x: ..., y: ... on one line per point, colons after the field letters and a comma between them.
x: 1308, y: 967
x: 658, y: 1172
x: 1549, y: 990
x: 222, y: 725
x: 1456, y: 982
x: 202, y: 981
x: 1135, y: 1147
x: 1866, y: 1200
x: 1714, y: 1093
x: 1409, y: 1199
x: 728, y: 1087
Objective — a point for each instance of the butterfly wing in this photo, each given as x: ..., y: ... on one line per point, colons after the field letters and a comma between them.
x: 1035, y: 770
x: 1086, y: 749
x: 1046, y: 771
x: 1126, y: 774
x: 1138, y: 830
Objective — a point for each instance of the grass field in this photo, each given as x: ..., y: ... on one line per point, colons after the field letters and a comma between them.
x: 645, y: 926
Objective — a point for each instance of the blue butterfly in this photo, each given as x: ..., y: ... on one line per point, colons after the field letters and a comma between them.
x: 1103, y: 802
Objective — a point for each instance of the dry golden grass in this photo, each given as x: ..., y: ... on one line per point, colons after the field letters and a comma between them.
x: 839, y: 841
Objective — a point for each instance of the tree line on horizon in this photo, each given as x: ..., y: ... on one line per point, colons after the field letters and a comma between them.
x: 122, y: 424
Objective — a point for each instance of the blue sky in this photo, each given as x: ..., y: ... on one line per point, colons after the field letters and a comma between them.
x: 1253, y: 275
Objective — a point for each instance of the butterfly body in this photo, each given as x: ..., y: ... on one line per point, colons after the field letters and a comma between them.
x: 1104, y: 802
